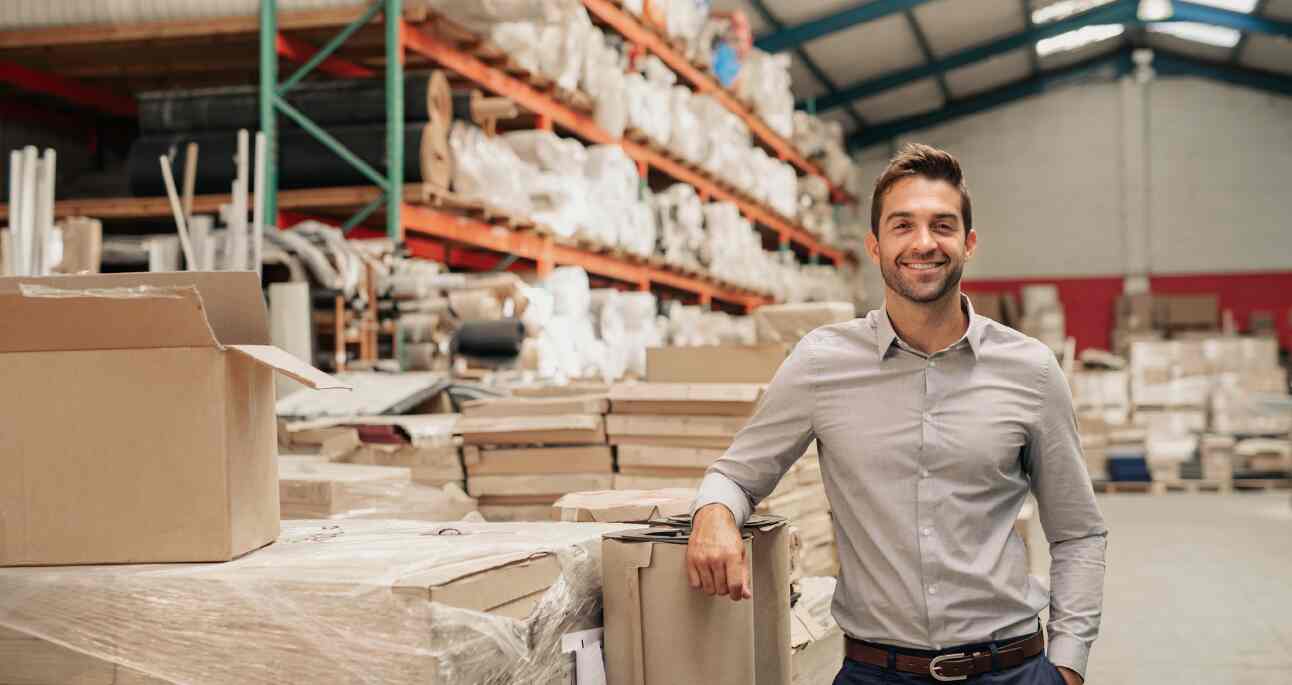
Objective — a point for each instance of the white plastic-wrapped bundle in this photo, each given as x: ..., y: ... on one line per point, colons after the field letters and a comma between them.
x: 642, y: 230
x: 614, y: 185
x: 726, y: 135
x: 603, y: 79
x: 773, y: 182
x: 681, y: 225
x: 487, y: 169
x: 520, y: 39
x: 562, y: 51
x: 560, y: 202
x: 483, y: 14
x: 765, y: 81
x: 686, y: 138
x: 548, y: 151
x: 815, y: 213
x: 821, y: 140
x: 648, y: 104
x: 733, y: 247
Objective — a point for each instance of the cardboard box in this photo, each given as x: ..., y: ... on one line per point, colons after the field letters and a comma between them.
x: 715, y: 363
x: 647, y: 456
x: 568, y: 429
x: 527, y: 460
x: 391, y: 602
x: 661, y: 631
x: 997, y: 306
x: 149, y: 389
x: 427, y: 465
x: 1136, y: 312
x: 538, y: 484
x: 517, y: 513
x: 625, y: 506
x: 310, y: 489
x: 1188, y: 311
x: 631, y: 481
x: 788, y: 323
x: 682, y: 441
x: 705, y: 399
x: 537, y: 406
x: 675, y: 426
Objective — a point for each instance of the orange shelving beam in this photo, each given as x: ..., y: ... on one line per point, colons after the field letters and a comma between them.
x: 424, y: 221
x: 631, y: 28
x: 585, y: 127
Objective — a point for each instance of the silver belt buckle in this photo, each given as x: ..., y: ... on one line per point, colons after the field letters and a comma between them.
x: 936, y: 662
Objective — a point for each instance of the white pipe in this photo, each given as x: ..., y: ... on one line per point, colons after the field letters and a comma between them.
x: 15, y: 200
x: 27, y: 205
x: 258, y: 214
x: 239, y: 223
x: 190, y: 180
x: 44, y: 212
x: 189, y: 258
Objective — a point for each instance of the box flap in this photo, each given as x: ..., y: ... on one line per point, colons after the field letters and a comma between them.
x: 235, y: 306
x: 290, y: 366
x: 47, y: 318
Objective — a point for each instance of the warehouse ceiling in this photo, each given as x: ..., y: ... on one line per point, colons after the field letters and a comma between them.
x: 881, y: 67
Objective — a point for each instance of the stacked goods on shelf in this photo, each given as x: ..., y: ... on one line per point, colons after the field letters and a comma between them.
x: 816, y: 214
x: 1147, y: 317
x: 396, y: 601
x: 788, y: 323
x: 764, y: 83
x: 1262, y: 458
x: 1216, y: 454
x: 422, y: 443
x: 1043, y: 317
x: 693, y: 326
x: 628, y: 323
x: 821, y: 141
x: 1250, y: 387
x: 523, y: 454
x: 1102, y: 394
x: 1000, y: 307
x: 309, y: 488
x: 667, y: 434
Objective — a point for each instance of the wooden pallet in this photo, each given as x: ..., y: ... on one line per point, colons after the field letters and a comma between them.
x: 1121, y: 487
x: 1162, y: 487
x: 1263, y: 484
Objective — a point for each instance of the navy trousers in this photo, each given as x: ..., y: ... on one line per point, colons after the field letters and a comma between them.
x: 1035, y: 671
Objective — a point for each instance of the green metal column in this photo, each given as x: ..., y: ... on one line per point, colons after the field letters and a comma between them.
x: 394, y: 118
x: 268, y: 86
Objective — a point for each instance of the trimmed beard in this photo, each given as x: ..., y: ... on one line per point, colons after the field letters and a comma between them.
x: 892, y: 278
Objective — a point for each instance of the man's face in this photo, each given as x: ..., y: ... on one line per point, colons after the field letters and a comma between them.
x: 922, y: 246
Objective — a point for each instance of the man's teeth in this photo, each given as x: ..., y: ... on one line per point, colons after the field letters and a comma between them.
x: 923, y: 267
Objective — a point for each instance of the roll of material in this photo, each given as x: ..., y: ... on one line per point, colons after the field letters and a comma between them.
x: 326, y: 103
x: 490, y: 338
x: 303, y: 161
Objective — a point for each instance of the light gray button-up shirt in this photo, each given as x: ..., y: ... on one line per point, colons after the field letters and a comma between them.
x: 927, y: 460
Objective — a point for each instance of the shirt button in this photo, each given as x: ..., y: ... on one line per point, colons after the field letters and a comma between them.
x: 932, y: 363
x: 933, y: 589
x: 924, y: 473
x: 926, y: 532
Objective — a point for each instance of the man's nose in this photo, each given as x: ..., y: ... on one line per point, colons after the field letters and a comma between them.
x: 924, y: 241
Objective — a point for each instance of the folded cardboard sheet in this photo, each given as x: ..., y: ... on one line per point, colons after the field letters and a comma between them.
x: 559, y: 429
x: 714, y: 399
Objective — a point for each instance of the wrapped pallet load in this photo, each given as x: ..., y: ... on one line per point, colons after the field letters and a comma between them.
x: 330, y: 602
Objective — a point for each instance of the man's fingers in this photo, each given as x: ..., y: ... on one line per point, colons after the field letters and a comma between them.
x: 735, y: 573
x: 706, y: 578
x: 719, y: 577
x: 692, y: 575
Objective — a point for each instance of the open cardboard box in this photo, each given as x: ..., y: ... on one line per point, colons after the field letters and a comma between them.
x: 137, y: 423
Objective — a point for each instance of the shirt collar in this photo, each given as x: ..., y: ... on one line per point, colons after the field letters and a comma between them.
x: 886, y: 336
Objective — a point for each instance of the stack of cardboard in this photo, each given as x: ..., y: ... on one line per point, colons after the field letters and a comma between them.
x: 1094, y: 434
x: 625, y: 506
x: 1000, y: 307
x: 313, y: 489
x: 1247, y: 374
x: 1043, y: 316
x: 1145, y: 317
x: 351, y: 601
x: 788, y: 323
x: 422, y: 443
x: 800, y: 498
x: 667, y: 434
x: 1216, y: 452
x: 1263, y: 458
x: 816, y: 638
x: 1134, y: 322
x: 1104, y: 395
x: 523, y: 454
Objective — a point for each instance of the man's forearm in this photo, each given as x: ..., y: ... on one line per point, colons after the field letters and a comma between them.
x: 719, y: 489
x: 1076, y: 599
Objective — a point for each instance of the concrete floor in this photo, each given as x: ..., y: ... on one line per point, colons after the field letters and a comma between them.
x: 1198, y: 590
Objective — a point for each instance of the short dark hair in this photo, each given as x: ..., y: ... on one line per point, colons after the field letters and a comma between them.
x: 929, y: 162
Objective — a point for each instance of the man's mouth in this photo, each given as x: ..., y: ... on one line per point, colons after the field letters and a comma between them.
x: 923, y: 266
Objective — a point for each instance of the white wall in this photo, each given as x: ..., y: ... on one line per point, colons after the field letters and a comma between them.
x: 1057, y: 192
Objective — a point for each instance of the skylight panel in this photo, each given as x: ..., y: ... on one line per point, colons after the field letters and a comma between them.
x: 1064, y: 9
x: 1207, y: 34
x: 1078, y: 38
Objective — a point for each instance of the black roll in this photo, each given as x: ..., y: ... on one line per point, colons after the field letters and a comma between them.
x: 501, y: 338
x: 303, y: 161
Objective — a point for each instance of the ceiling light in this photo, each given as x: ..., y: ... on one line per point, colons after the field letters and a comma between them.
x: 1244, y: 6
x: 1064, y: 9
x: 1207, y: 34
x: 1154, y: 10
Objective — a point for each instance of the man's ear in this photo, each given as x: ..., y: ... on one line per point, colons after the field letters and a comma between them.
x: 971, y: 244
x: 872, y: 247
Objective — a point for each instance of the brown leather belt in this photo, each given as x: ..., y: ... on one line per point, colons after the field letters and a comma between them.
x: 952, y: 666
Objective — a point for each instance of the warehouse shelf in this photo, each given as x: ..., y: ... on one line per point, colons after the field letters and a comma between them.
x: 437, y: 234
x: 649, y: 37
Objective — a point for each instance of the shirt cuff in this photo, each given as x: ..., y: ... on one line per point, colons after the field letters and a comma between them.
x: 1069, y: 652
x: 719, y: 489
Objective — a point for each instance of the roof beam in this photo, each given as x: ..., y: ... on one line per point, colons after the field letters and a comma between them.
x: 817, y: 72
x: 69, y: 90
x: 1248, y: 23
x: 927, y: 50
x: 1120, y: 12
x: 794, y: 36
x: 1111, y: 65
x: 1033, y: 59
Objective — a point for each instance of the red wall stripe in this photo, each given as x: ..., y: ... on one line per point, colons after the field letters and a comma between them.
x: 1088, y: 301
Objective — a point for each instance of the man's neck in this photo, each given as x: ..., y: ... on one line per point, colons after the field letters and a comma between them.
x: 928, y: 327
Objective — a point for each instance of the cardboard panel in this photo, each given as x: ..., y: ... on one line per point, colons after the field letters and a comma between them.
x: 233, y: 301
x: 113, y: 457
x: 634, y: 456
x: 251, y: 443
x: 575, y: 459
x: 685, y: 441
x: 537, y: 484
x: 521, y: 406
x: 50, y: 321
x: 714, y: 399
x: 675, y: 426
x: 290, y: 366
x: 716, y: 364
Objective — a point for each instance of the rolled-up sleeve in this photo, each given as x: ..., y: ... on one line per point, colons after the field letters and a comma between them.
x: 775, y: 437
x: 1072, y: 522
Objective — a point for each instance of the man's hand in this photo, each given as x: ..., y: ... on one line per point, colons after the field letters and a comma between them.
x: 715, y: 556
x: 1070, y: 676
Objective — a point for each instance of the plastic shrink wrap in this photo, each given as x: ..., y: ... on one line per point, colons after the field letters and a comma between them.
x: 765, y: 82
x: 487, y: 169
x: 680, y: 215
x: 330, y: 602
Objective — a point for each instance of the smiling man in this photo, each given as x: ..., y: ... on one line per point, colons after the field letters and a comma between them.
x: 932, y: 424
